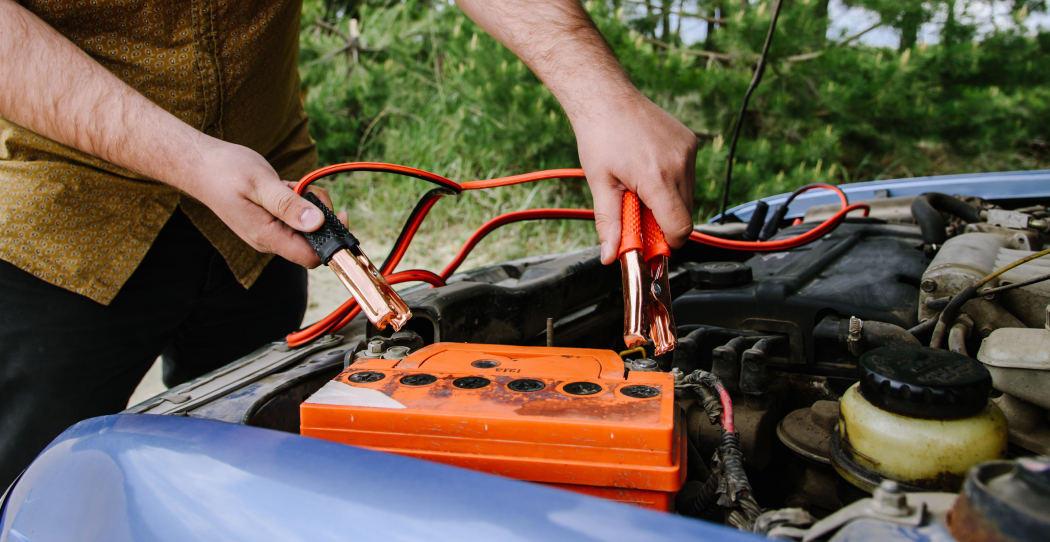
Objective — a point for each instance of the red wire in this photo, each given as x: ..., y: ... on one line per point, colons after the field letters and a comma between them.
x: 526, y: 178
x: 727, y: 408
x: 348, y: 310
x: 300, y: 187
x: 517, y: 216
x: 780, y: 244
x: 396, y: 278
x: 398, y: 251
x: 842, y: 195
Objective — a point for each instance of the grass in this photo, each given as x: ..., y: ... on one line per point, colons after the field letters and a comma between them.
x: 428, y: 89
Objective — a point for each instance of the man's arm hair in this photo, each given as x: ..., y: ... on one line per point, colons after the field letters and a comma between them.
x: 625, y: 141
x: 558, y: 40
x: 52, y: 87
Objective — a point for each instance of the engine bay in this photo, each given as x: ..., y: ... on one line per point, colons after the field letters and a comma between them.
x: 854, y: 402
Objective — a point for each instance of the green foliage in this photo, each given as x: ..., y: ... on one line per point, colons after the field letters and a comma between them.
x: 429, y: 89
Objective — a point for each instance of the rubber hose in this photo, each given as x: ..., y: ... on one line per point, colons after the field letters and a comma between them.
x: 957, y: 338
x: 926, y: 211
x: 876, y: 334
x: 925, y: 326
x: 758, y: 220
x: 949, y: 313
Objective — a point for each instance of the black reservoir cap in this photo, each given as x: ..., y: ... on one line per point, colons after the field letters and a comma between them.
x: 721, y: 274
x: 924, y: 382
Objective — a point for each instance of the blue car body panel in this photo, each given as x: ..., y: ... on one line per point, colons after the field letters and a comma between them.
x: 142, y: 477
x: 993, y: 186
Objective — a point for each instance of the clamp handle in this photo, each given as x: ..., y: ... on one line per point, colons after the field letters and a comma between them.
x: 332, y: 236
x: 630, y: 224
x: 653, y: 237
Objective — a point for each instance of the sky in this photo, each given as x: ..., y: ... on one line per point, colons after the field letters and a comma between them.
x: 846, y: 21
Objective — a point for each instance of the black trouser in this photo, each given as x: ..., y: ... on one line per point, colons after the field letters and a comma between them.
x: 65, y: 358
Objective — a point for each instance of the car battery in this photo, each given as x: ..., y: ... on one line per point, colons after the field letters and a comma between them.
x: 564, y: 417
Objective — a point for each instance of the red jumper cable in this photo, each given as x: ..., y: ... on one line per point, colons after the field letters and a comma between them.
x: 347, y: 311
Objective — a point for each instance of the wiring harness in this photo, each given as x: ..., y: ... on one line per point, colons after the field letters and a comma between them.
x: 447, y: 187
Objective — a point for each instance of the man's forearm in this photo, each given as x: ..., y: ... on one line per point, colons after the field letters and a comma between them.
x: 559, y: 42
x: 50, y: 86
x: 53, y: 88
x: 626, y: 142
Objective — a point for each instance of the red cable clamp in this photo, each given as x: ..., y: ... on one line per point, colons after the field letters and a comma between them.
x: 646, y: 291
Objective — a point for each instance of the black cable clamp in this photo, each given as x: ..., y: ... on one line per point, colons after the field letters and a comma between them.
x: 332, y: 236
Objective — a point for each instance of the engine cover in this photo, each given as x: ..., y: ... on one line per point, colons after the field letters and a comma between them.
x: 871, y: 271
x: 559, y: 416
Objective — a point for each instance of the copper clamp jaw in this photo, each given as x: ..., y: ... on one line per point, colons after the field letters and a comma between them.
x: 341, y: 252
x: 646, y: 292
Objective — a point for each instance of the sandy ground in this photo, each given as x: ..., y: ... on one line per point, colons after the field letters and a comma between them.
x: 326, y: 293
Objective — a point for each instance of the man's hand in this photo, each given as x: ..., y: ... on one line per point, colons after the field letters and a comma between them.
x: 626, y: 142
x: 637, y: 146
x: 246, y: 193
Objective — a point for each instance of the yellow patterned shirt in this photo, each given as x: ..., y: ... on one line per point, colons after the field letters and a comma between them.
x: 227, y: 68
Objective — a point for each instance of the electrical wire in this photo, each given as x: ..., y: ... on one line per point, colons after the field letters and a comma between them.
x: 378, y: 167
x: 415, y: 220
x: 1024, y: 260
x: 1014, y: 285
x: 781, y: 244
x: 517, y: 216
x: 947, y: 318
x: 635, y: 350
x: 759, y: 70
x: 803, y: 189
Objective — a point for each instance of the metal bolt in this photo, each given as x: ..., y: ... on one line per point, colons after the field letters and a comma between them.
x: 375, y: 346
x: 986, y: 331
x: 890, y: 500
x: 928, y: 285
x: 644, y: 364
x: 396, y: 352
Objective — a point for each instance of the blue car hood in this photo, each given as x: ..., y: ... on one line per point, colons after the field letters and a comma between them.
x: 141, y: 477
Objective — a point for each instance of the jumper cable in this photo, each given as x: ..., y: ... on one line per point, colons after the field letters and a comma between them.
x: 347, y: 311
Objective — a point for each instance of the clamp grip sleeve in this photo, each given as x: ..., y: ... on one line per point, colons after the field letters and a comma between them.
x: 653, y: 237
x: 332, y: 236
x: 630, y: 224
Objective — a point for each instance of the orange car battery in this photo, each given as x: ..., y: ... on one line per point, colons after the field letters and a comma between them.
x: 565, y: 417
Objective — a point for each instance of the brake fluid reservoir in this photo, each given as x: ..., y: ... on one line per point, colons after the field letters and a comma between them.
x: 920, y: 416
